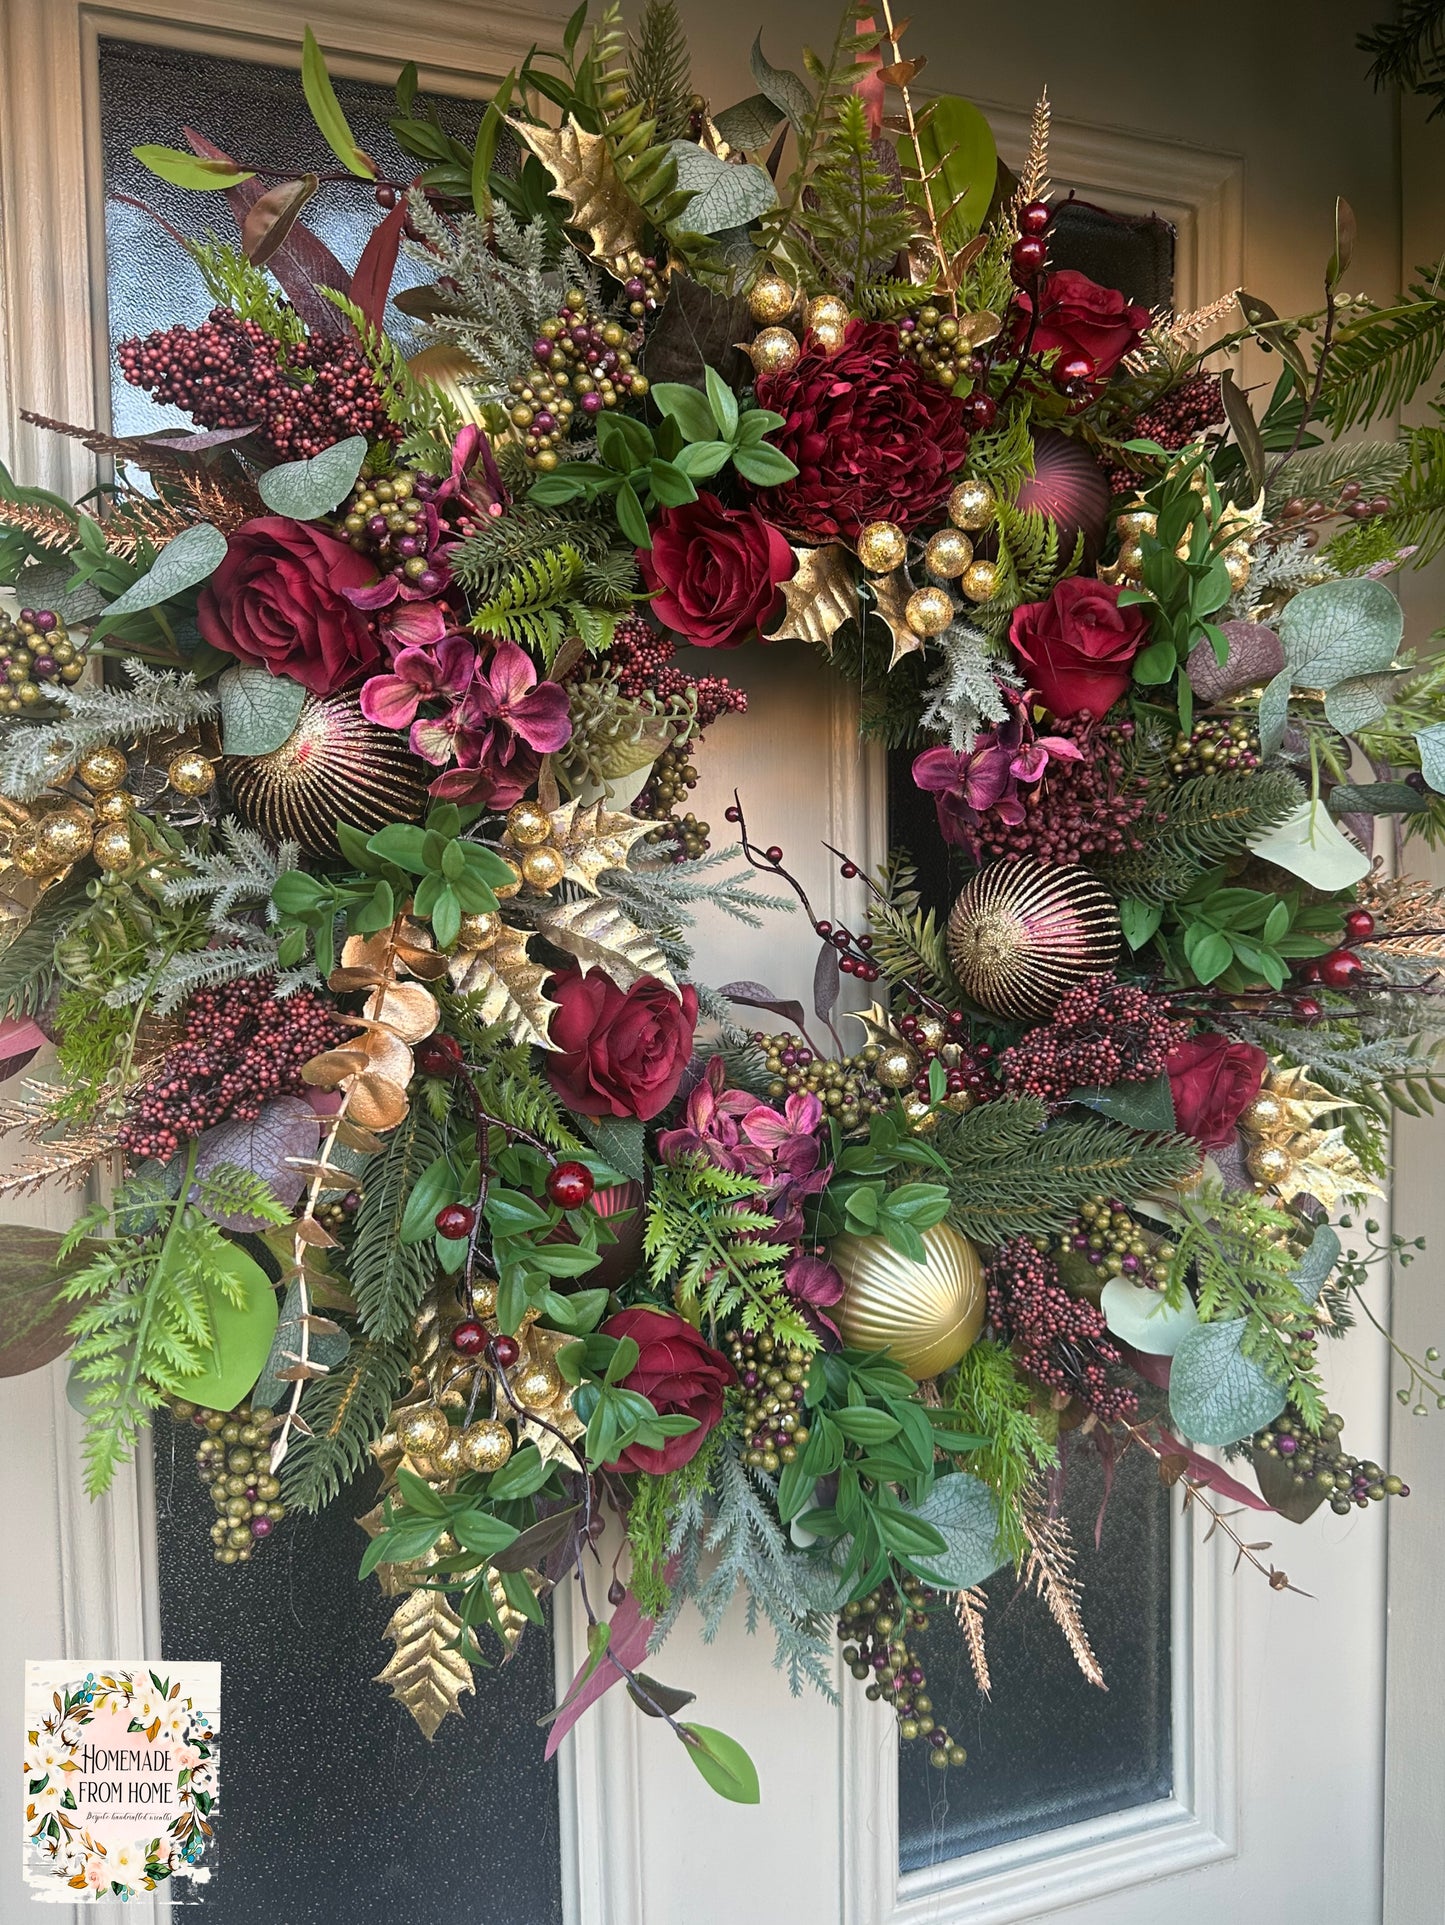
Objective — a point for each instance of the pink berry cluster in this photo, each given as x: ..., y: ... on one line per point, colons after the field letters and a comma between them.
x: 1083, y: 810
x: 641, y: 658
x: 1102, y: 1033
x: 1176, y: 420
x: 230, y: 373
x: 239, y: 1047
x: 1059, y: 1339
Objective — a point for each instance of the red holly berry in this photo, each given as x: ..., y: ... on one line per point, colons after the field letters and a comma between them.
x: 773, y: 854
x: 439, y: 1056
x: 1035, y: 218
x: 570, y: 1185
x: 1359, y: 925
x: 505, y: 1352
x: 1341, y: 969
x: 980, y: 411
x: 455, y: 1221
x: 1073, y: 371
x: 469, y: 1339
x: 1307, y: 1010
x: 1028, y: 257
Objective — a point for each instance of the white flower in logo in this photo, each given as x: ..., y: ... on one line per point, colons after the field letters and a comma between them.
x: 127, y: 1863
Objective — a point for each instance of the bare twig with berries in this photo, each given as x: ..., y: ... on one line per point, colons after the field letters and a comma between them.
x: 1219, y: 1520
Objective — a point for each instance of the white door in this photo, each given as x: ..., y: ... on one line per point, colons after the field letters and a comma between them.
x: 1268, y: 1801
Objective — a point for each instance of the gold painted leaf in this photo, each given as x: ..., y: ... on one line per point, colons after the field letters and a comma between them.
x: 408, y: 1011
x: 891, y: 594
x: 594, y: 839
x: 376, y: 1102
x: 427, y: 1673
x: 1326, y: 1168
x: 581, y: 167
x: 599, y: 935
x: 1303, y: 1100
x: 822, y: 595
x: 510, y: 985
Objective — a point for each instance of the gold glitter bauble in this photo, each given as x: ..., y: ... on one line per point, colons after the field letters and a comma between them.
x: 423, y: 1431
x: 114, y: 807
x: 192, y: 773
x: 930, y: 1032
x: 543, y: 868
x: 771, y: 298
x: 25, y: 854
x: 528, y: 823
x: 1266, y: 1116
x: 104, y: 768
x: 980, y: 579
x: 1129, y: 562
x: 919, y: 1113
x: 1237, y: 565
x: 948, y: 554
x: 1269, y: 1163
x: 64, y: 836
x: 113, y: 848
x: 1135, y: 522
x: 774, y: 351
x: 536, y: 1383
x: 928, y: 611
x: 479, y: 931
x: 449, y: 1459
x: 503, y: 890
x: 896, y: 1067
x: 485, y: 1445
x: 484, y: 1298
x: 971, y: 505
x: 925, y: 1315
x: 827, y: 311
x: 335, y: 766
x: 827, y: 335
x: 882, y: 546
x: 1023, y: 933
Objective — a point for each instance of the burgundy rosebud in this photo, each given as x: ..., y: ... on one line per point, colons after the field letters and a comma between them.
x: 679, y: 1373
x: 276, y: 602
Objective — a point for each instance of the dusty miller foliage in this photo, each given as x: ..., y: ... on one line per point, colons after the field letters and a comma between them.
x: 93, y: 716
x: 231, y: 881
x: 965, y: 691
x: 725, y: 1535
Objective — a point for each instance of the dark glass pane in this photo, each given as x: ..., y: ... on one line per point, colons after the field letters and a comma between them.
x: 1048, y: 1748
x: 1132, y: 252
x: 148, y: 95
x: 333, y: 1804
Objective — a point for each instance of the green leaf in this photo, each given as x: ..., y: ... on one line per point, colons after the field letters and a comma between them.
x: 630, y: 518
x: 724, y: 196
x: 672, y: 482
x: 189, y: 170
x: 241, y: 1334
x: 259, y: 710
x: 723, y: 1763
x: 722, y: 402
x: 187, y: 559
x: 964, y: 1512
x: 433, y: 1190
x: 1143, y: 1106
x: 619, y: 1141
x: 781, y: 86
x: 326, y: 110
x: 1274, y: 713
x: 1156, y: 663
x: 688, y: 408
x: 402, y: 843
x: 956, y: 149
x: 765, y: 467
x: 485, y: 150
x: 1139, y: 920
x: 866, y: 1426
x: 307, y: 490
x: 1217, y: 1395
x: 510, y: 1213
x: 1143, y: 1318
x: 699, y: 459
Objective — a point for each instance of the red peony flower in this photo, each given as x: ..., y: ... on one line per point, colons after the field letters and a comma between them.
x: 277, y: 601
x: 872, y: 437
x: 1079, y: 645
x: 717, y: 568
x: 616, y: 1053
x: 1080, y: 317
x: 680, y: 1374
x: 1213, y: 1082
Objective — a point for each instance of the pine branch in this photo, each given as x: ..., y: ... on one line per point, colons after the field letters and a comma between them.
x: 1378, y: 364
x: 1409, y: 51
x: 389, y: 1278
x: 1204, y: 821
x: 346, y: 1411
x: 659, y: 72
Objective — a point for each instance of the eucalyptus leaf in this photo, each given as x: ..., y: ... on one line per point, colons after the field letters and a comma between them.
x: 751, y: 123
x: 1312, y: 1271
x: 187, y: 560
x: 1141, y: 1317
x: 1358, y: 703
x: 1431, y: 744
x: 306, y: 490
x: 1217, y: 1395
x: 259, y: 710
x: 1274, y: 713
x: 1340, y: 629
x: 786, y: 91
x: 723, y: 195
x: 1376, y: 798
x: 964, y: 1511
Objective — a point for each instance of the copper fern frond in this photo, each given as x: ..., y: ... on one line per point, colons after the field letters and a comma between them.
x: 969, y: 1607
x: 1049, y: 1572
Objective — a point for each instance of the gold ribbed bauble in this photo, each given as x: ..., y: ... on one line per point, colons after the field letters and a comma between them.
x: 423, y: 1430
x: 979, y: 580
x: 882, y: 546
x: 971, y: 505
x: 925, y: 1315
x: 485, y: 1445
x: 948, y: 554
x: 928, y: 611
x: 191, y: 773
x: 103, y: 768
x: 771, y: 298
x: 1023, y: 933
x: 335, y: 766
x: 774, y: 351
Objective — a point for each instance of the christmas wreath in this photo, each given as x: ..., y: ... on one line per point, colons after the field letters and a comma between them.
x: 345, y: 753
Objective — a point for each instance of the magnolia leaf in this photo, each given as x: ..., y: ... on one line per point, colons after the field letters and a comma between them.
x: 428, y: 1672
x: 327, y: 112
x: 188, y: 559
x: 1143, y: 1106
x: 189, y: 170
x: 1340, y: 629
x: 1431, y: 744
x: 1310, y: 845
x: 259, y: 710
x: 599, y: 935
x: 33, y: 1320
x: 751, y: 123
x: 241, y: 1335
x: 509, y: 984
x: 325, y: 1347
x: 964, y: 1511
x: 821, y: 595
x: 307, y: 490
x: 286, y: 1128
x: 724, y: 196
x: 957, y: 156
x: 783, y: 87
x: 1217, y: 1395
x: 696, y: 329
x: 1141, y: 1317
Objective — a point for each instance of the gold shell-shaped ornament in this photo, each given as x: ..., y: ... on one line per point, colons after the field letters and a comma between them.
x: 925, y: 1315
x: 335, y: 766
x: 1024, y: 933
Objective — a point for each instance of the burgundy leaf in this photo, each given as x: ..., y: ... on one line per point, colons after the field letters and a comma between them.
x: 1256, y: 655
x: 20, y: 1038
x: 826, y: 981
x: 628, y: 1643
x: 1204, y: 1472
x: 759, y: 996
x: 371, y: 283
x: 287, y: 1127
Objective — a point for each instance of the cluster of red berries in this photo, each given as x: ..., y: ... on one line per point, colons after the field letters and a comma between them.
x: 239, y: 1048
x: 967, y: 1065
x: 1176, y: 420
x: 1102, y: 1033
x: 230, y: 373
x: 641, y: 658
x: 1082, y: 810
x: 1342, y: 968
x: 1061, y: 1340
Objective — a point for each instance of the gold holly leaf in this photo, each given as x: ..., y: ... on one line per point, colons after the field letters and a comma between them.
x: 599, y: 935
x: 593, y: 839
x: 427, y: 1673
x: 1326, y: 1168
x: 822, y: 595
x: 878, y: 1025
x: 1303, y: 1101
x: 582, y: 169
x: 890, y: 593
x: 509, y: 984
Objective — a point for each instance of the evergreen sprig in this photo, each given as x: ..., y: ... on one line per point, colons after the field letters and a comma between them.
x: 907, y: 940
x: 389, y: 1278
x: 1202, y: 822
x: 1378, y: 364
x: 659, y: 70
x: 718, y: 1257
x: 346, y: 1411
x: 989, y: 1398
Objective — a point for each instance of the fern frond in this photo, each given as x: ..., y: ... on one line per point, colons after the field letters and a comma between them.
x: 717, y: 1256
x: 429, y: 417
x: 884, y: 300
x: 389, y: 1278
x: 856, y: 215
x: 346, y: 1411
x: 526, y: 607
x: 1380, y: 362
x: 906, y: 940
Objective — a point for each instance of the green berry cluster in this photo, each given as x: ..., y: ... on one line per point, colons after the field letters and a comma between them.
x: 1316, y: 1461
x: 844, y: 1085
x: 931, y: 338
x: 231, y: 1459
x: 672, y: 780
x: 877, y: 1648
x: 1213, y: 744
x: 37, y: 655
x: 1116, y: 1244
x: 772, y: 1378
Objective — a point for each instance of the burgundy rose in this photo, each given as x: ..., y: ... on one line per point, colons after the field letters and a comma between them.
x: 1213, y: 1082
x: 278, y: 601
x: 1079, y: 317
x: 717, y: 570
x: 680, y: 1374
x: 1079, y: 645
x: 872, y: 437
x: 616, y: 1053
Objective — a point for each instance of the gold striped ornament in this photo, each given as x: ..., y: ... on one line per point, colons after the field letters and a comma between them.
x: 925, y: 1315
x: 1022, y: 934
x: 335, y: 766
